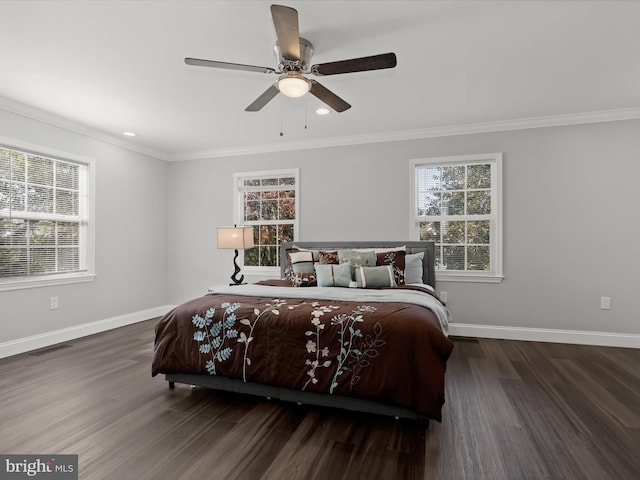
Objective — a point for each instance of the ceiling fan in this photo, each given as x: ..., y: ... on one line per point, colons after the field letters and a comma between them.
x: 293, y: 54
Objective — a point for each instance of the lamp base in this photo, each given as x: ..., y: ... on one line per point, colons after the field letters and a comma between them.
x: 234, y: 277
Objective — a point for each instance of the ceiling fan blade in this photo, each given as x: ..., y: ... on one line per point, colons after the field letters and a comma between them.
x: 285, y: 20
x: 327, y: 96
x: 263, y: 99
x: 363, y: 64
x: 231, y: 66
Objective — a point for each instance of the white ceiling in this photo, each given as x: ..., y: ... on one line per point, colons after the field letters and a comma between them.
x: 105, y: 67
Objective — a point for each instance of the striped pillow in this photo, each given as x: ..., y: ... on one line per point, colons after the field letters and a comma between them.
x: 375, y: 277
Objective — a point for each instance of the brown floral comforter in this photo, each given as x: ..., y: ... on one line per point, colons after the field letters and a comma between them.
x: 388, y: 351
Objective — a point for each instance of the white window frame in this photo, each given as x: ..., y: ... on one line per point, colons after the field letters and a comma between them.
x: 495, y: 273
x: 87, y: 217
x: 238, y: 210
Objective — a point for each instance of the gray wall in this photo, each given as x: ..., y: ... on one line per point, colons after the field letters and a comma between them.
x: 570, y: 219
x: 131, y: 242
x: 570, y: 227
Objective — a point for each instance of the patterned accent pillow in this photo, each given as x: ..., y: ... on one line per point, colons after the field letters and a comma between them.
x: 357, y: 258
x: 304, y: 279
x: 334, y: 275
x: 375, y: 277
x: 395, y: 258
x: 328, y: 258
x: 288, y: 269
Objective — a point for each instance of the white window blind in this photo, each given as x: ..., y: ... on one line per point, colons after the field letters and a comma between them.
x: 43, y: 216
x: 457, y: 205
x: 268, y: 201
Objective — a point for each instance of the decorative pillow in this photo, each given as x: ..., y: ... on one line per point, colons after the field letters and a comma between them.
x: 304, y: 279
x: 358, y: 258
x: 314, y: 252
x: 301, y: 268
x: 288, y: 269
x: 333, y: 275
x: 375, y: 277
x: 301, y: 262
x: 413, y: 268
x: 395, y: 258
x: 328, y: 258
x: 380, y: 250
x: 392, y: 249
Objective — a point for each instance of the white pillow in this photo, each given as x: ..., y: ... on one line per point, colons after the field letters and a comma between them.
x: 413, y: 268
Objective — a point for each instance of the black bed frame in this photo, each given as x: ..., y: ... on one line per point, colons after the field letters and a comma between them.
x: 312, y: 398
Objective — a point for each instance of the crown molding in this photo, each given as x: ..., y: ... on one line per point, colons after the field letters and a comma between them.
x: 77, y: 127
x: 465, y: 129
x: 381, y: 137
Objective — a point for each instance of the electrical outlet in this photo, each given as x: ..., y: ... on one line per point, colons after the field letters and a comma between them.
x: 605, y: 303
x: 443, y: 296
x: 53, y: 303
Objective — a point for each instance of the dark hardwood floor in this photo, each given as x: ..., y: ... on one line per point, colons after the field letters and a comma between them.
x: 515, y: 410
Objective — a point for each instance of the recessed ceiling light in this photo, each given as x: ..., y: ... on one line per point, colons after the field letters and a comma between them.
x: 129, y: 134
x: 323, y: 111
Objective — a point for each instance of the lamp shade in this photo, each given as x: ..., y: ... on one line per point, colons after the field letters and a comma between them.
x: 235, y: 237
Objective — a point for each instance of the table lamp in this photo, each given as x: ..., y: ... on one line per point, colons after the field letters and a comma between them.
x: 237, y: 238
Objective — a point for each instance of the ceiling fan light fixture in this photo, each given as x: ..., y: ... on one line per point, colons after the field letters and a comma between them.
x: 293, y: 86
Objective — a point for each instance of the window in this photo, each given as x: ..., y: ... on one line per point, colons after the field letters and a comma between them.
x: 457, y: 204
x: 44, y: 223
x: 269, y: 202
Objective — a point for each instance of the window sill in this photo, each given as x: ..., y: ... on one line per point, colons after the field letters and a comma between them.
x: 466, y: 277
x: 20, y: 283
x: 271, y: 272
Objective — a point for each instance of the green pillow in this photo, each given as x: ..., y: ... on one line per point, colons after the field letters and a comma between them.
x: 333, y: 275
x: 375, y: 277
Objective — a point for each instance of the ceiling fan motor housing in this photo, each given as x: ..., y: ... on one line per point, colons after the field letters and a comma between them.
x: 302, y: 65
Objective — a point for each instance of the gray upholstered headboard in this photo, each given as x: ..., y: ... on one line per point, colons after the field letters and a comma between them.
x: 428, y: 263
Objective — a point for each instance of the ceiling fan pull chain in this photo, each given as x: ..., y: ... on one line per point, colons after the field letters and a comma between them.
x: 281, y: 116
x: 306, y: 107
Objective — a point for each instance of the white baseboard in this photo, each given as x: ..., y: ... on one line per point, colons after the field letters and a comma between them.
x: 604, y: 339
x: 47, y: 339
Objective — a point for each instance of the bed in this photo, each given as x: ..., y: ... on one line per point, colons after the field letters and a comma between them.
x: 377, y: 348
